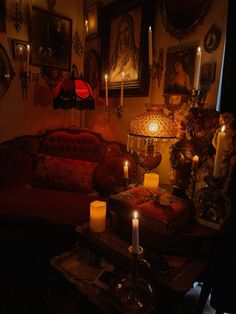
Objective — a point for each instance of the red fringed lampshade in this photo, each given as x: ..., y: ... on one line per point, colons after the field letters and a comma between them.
x: 73, y: 93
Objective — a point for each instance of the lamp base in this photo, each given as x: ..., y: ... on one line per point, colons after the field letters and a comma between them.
x: 149, y: 161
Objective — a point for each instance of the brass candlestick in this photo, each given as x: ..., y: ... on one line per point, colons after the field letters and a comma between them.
x: 194, y: 179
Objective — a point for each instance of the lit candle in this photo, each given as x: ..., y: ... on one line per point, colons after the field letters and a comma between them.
x: 122, y: 89
x: 106, y: 89
x: 86, y: 27
x: 195, y: 162
x: 135, y: 233
x: 197, y: 69
x: 150, y: 45
x: 27, y: 59
x: 151, y: 181
x: 219, y: 152
x: 97, y: 216
x: 126, y: 170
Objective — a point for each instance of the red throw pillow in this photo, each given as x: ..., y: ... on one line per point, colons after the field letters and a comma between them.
x: 64, y: 173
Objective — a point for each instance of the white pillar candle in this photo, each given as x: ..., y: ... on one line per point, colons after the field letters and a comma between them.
x: 97, y: 216
x: 219, y: 152
x: 126, y: 170
x: 106, y: 89
x: 150, y: 45
x: 27, y: 59
x: 195, y: 161
x: 151, y: 181
x: 197, y: 71
x: 135, y: 233
x: 122, y: 89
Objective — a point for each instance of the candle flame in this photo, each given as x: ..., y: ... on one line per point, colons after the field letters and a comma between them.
x: 28, y: 47
x: 123, y: 75
x: 223, y: 128
x: 86, y: 22
x: 126, y: 163
x: 135, y: 215
x: 150, y: 28
x: 106, y: 77
x: 199, y: 49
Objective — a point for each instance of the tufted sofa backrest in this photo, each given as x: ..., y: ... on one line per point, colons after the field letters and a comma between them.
x: 83, y: 145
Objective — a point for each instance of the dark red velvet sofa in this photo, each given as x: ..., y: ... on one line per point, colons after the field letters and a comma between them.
x: 54, y: 176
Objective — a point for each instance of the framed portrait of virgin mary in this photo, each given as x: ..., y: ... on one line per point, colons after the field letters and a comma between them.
x: 125, y: 46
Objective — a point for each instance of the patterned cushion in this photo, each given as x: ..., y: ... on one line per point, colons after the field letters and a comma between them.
x: 64, y: 173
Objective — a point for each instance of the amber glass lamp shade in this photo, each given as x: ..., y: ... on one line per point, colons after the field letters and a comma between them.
x: 146, y: 132
x: 153, y: 123
x: 73, y: 93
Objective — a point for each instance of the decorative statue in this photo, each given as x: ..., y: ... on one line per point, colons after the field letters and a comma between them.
x: 228, y: 161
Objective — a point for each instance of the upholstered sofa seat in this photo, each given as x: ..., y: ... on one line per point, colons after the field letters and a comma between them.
x: 63, y: 207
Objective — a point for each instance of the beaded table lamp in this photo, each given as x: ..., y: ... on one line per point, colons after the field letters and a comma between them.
x: 146, y: 132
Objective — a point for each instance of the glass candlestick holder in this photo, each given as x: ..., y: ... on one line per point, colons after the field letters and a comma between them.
x: 134, y: 294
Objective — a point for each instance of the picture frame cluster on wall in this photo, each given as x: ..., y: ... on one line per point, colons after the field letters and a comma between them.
x: 125, y: 47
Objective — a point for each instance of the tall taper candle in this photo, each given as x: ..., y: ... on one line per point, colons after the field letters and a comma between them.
x: 106, y: 89
x: 126, y: 170
x: 27, y: 59
x: 122, y: 89
x: 150, y: 46
x: 219, y: 152
x: 197, y: 71
x: 135, y: 233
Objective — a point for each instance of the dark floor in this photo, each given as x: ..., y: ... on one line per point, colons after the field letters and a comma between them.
x: 27, y: 281
x: 28, y: 287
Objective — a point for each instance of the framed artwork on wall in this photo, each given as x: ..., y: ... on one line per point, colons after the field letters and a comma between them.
x: 50, y: 38
x: 125, y: 46
x: 92, y: 16
x: 180, y: 67
x: 92, y: 67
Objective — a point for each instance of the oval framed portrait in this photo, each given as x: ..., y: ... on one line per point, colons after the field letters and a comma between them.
x: 92, y: 68
x: 212, y: 38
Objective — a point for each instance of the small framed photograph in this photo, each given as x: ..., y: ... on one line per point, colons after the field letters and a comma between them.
x: 92, y: 16
x: 19, y: 49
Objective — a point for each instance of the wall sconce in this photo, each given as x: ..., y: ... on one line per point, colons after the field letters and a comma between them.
x: 17, y: 15
x: 116, y: 109
x: 25, y: 74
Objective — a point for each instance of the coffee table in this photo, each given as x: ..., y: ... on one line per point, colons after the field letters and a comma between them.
x: 99, y: 253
